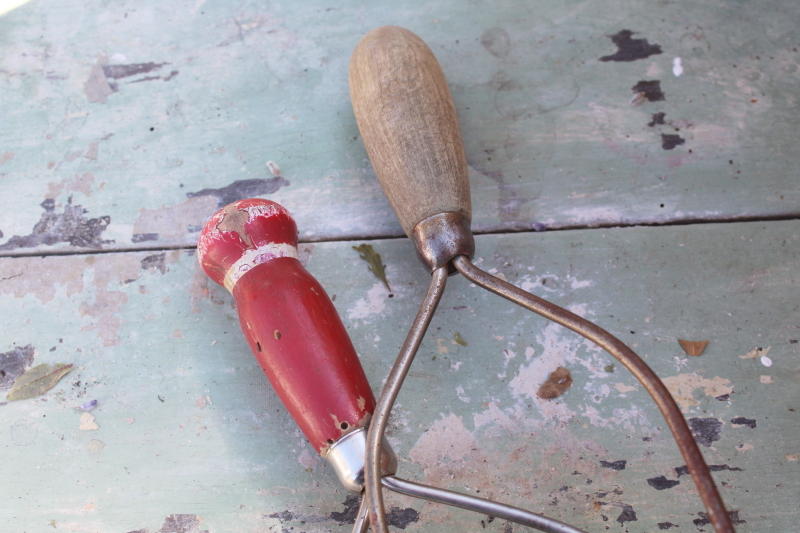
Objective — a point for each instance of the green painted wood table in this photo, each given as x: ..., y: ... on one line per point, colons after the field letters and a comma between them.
x: 632, y: 161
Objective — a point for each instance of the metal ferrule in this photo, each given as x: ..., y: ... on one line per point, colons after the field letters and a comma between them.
x: 347, y: 457
x: 441, y: 237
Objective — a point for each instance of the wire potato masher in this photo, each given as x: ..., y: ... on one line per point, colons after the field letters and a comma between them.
x: 409, y: 128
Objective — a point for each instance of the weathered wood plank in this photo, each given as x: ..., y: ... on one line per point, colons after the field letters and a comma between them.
x: 125, y: 125
x: 186, y: 424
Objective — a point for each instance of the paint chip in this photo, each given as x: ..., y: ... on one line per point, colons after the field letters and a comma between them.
x: 557, y: 384
x: 705, y: 430
x: 677, y: 68
x: 88, y: 423
x: 622, y: 388
x: 766, y: 380
x: 614, y: 465
x: 792, y: 457
x: 630, y: 49
x: 756, y: 353
x: 693, y: 348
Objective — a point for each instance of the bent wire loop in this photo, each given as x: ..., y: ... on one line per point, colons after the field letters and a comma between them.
x: 372, y: 511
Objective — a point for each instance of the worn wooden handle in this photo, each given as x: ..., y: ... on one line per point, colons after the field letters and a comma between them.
x: 408, y: 124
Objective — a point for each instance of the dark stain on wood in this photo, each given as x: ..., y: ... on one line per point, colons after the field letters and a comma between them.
x: 243, y: 189
x: 614, y: 465
x: 630, y: 49
x: 684, y: 470
x: 742, y: 421
x: 395, y: 516
x: 627, y: 514
x: 704, y: 520
x: 651, y: 89
x: 657, y: 119
x: 662, y: 483
x: 671, y: 140
x: 705, y: 430
x: 13, y: 364
x: 155, y: 262
x: 69, y: 226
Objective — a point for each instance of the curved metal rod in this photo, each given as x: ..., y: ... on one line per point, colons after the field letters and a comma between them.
x: 709, y: 494
x: 479, y: 505
x: 361, y: 525
x: 372, y: 473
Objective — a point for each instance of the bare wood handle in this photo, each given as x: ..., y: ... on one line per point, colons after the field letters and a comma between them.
x: 408, y: 124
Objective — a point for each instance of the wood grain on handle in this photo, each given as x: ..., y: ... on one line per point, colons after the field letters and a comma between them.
x: 408, y: 125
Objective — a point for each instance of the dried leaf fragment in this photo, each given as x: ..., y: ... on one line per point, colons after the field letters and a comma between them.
x: 557, y: 383
x: 693, y: 348
x: 373, y: 259
x: 458, y: 339
x: 36, y: 381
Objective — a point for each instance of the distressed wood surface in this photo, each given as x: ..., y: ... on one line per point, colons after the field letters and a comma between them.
x: 126, y: 124
x: 186, y: 424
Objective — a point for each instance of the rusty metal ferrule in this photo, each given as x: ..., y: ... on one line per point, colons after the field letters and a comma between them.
x: 441, y: 237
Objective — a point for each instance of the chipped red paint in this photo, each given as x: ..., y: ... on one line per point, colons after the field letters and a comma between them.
x: 289, y: 322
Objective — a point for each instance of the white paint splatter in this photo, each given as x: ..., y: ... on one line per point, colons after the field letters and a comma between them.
x: 576, y: 284
x: 654, y: 70
x: 628, y: 418
x: 766, y: 361
x: 558, y: 350
x: 494, y: 415
x: 374, y: 303
x: 677, y: 68
x: 446, y: 437
x: 460, y: 394
x: 307, y: 460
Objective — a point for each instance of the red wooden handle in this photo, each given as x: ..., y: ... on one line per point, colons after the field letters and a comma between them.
x: 291, y: 325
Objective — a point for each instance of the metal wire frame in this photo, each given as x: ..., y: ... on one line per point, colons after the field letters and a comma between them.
x: 372, y: 510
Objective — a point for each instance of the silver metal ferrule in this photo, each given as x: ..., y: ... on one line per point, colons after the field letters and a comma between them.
x: 441, y: 237
x: 347, y: 457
